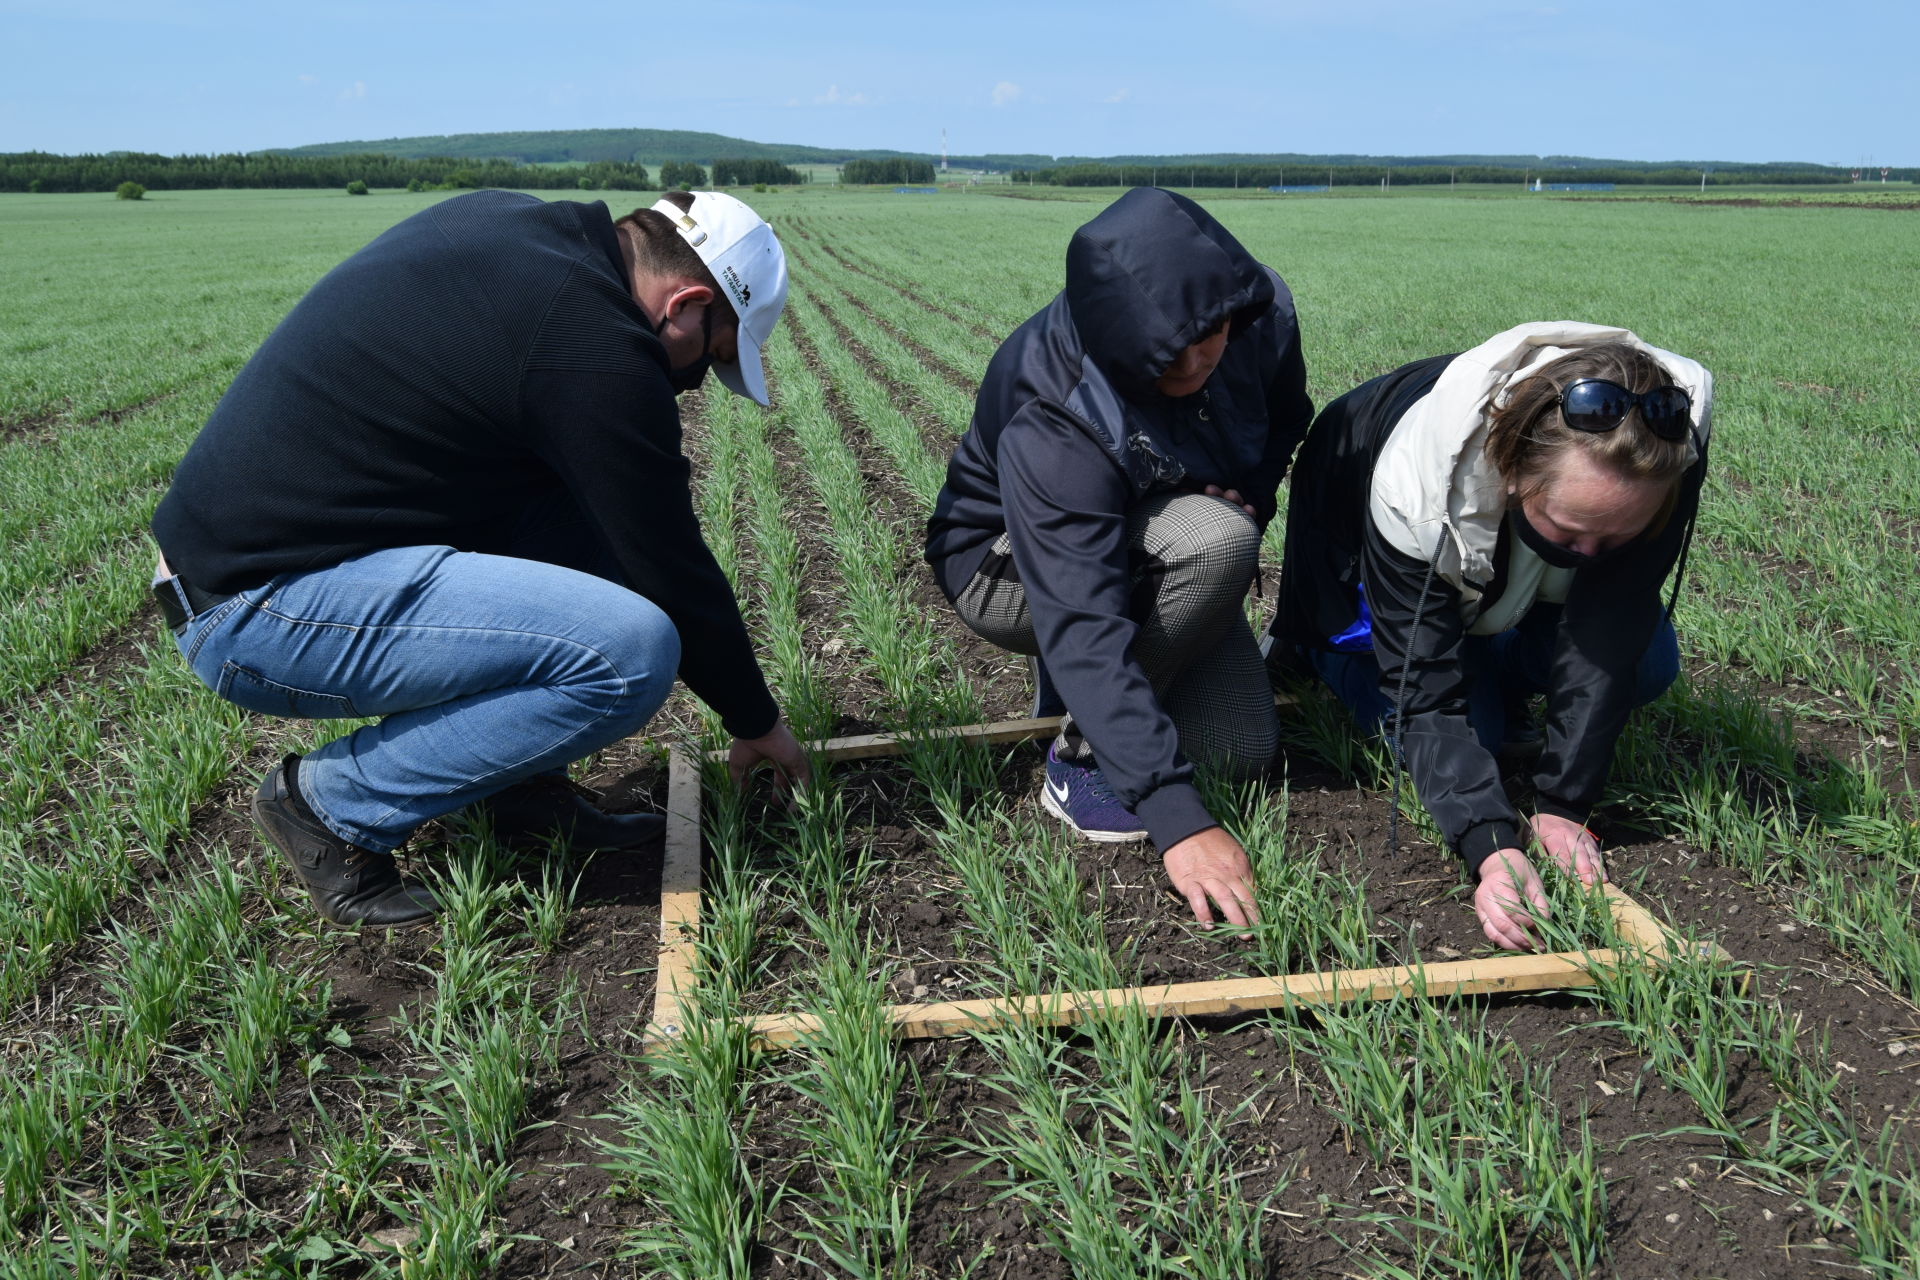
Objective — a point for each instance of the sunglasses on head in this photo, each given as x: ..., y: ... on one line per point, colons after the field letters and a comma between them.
x: 1594, y: 404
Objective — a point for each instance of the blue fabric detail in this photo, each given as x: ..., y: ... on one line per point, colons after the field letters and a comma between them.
x: 1357, y: 638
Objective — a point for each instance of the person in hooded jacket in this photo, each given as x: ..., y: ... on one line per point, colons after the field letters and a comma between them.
x: 1468, y: 532
x: 1103, y: 514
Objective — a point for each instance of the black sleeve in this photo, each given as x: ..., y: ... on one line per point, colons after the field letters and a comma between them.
x: 1611, y: 611
x: 614, y: 440
x: 1289, y: 414
x: 1457, y: 779
x: 1065, y: 504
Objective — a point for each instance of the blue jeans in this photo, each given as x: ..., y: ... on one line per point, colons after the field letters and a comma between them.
x: 484, y: 670
x: 1511, y: 666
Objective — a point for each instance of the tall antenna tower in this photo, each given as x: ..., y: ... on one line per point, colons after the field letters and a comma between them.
x: 943, y: 151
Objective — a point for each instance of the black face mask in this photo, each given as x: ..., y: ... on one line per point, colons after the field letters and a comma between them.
x: 691, y: 376
x: 1554, y: 554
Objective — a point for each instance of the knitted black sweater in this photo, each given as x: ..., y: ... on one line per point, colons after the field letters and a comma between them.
x: 480, y: 353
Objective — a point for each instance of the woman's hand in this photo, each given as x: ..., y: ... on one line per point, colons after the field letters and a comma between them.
x: 1211, y: 864
x: 1233, y: 496
x: 1573, y: 848
x: 1510, y: 900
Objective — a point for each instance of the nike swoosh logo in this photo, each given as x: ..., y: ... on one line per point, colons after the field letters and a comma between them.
x: 1060, y: 792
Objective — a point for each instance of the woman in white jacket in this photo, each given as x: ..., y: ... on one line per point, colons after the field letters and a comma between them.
x: 1470, y: 531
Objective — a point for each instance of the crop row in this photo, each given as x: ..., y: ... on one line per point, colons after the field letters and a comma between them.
x: 1090, y: 1187
x: 1848, y: 839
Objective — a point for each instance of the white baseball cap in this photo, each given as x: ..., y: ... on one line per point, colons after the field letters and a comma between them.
x: 741, y: 251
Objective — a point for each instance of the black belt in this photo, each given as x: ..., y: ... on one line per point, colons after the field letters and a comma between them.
x: 181, y: 601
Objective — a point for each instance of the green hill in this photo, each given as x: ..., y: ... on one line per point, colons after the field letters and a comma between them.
x: 646, y: 146
x: 656, y: 146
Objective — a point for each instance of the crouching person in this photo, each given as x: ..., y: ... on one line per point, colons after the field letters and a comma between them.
x: 1103, y: 514
x: 448, y: 492
x: 1468, y: 532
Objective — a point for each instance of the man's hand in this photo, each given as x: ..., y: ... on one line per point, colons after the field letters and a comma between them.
x: 777, y: 747
x: 1510, y: 900
x: 1572, y: 847
x: 1211, y: 864
x: 1233, y: 496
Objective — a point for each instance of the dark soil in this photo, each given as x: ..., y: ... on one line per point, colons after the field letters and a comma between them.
x: 999, y: 677
x: 914, y: 908
x: 959, y: 379
x: 934, y: 433
x: 1676, y: 1206
x: 853, y: 264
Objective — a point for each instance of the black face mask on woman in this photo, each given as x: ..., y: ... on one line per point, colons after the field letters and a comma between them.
x: 1552, y: 552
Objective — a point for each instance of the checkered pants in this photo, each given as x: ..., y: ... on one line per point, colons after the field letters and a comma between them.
x: 1190, y: 558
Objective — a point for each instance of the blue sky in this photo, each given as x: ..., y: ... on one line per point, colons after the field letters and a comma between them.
x: 1832, y: 82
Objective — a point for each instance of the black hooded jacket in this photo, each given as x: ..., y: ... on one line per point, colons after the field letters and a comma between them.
x: 1069, y: 431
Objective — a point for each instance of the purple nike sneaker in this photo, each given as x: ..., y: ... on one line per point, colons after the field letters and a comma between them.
x: 1078, y: 795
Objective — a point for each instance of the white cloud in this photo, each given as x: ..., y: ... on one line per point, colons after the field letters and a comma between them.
x: 304, y: 78
x: 354, y: 92
x: 834, y: 98
x: 1118, y: 95
x: 1004, y: 92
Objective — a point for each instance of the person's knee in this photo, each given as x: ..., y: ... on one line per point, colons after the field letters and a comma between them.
x: 1253, y: 754
x: 1206, y: 535
x: 641, y: 656
x: 1241, y: 760
x: 1239, y: 750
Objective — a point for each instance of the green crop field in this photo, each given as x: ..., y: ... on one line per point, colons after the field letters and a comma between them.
x: 197, y: 1079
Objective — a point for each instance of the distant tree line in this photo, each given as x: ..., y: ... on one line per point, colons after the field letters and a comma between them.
x: 41, y: 171
x: 659, y: 145
x: 1270, y: 175
x: 903, y: 170
x: 682, y: 175
x: 741, y: 171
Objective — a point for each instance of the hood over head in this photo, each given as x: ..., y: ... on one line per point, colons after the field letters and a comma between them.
x: 1152, y: 274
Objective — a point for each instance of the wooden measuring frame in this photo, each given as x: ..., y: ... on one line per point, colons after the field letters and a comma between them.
x: 1651, y: 943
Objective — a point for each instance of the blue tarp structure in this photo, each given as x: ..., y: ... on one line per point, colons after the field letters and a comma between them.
x: 916, y: 191
x: 1578, y: 186
x: 1292, y: 190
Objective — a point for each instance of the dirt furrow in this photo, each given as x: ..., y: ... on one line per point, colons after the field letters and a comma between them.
x: 849, y: 263
x: 45, y: 425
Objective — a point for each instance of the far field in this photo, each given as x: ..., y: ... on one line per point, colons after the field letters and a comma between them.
x: 197, y: 1080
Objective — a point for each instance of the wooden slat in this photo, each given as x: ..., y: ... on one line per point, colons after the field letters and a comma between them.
x: 679, y: 899
x: 680, y: 913
x: 1555, y: 971
x: 1635, y: 923
x: 1638, y: 926
x: 867, y: 746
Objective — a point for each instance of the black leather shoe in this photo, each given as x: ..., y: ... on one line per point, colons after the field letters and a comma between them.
x: 350, y: 885
x: 550, y: 806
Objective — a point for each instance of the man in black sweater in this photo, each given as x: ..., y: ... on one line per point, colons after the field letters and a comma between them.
x: 448, y: 492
